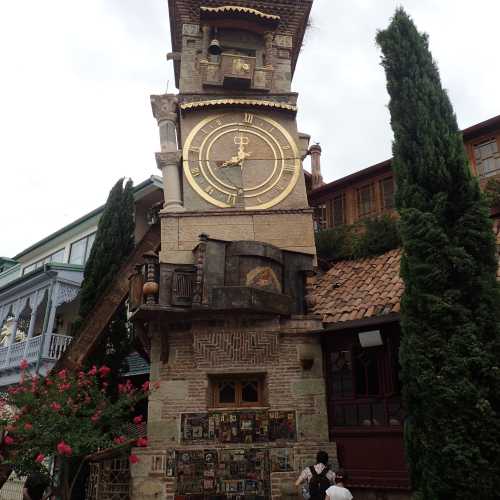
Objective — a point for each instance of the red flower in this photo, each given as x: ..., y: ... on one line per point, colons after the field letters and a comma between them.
x: 62, y: 374
x: 104, y: 371
x: 8, y: 440
x: 55, y: 406
x: 64, y: 449
x: 23, y: 364
x: 142, y: 442
x: 133, y: 459
x: 96, y: 416
x: 40, y: 458
x: 64, y: 387
x: 145, y: 386
x: 92, y: 371
x: 138, y: 419
x: 119, y: 439
x: 27, y: 426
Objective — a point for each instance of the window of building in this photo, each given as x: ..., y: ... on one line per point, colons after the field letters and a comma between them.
x: 320, y: 217
x: 487, y: 158
x: 387, y: 193
x: 237, y: 391
x: 57, y: 256
x: 338, y: 206
x: 366, y: 205
x: 80, y: 250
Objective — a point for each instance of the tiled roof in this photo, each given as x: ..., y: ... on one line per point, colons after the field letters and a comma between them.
x: 358, y: 289
x: 355, y: 290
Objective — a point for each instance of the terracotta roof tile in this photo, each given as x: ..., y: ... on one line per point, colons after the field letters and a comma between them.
x: 358, y: 289
x: 361, y: 289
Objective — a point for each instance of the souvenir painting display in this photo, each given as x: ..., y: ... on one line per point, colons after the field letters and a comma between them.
x: 238, y: 427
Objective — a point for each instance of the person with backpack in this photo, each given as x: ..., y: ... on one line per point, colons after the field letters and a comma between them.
x: 338, y: 491
x: 319, y: 478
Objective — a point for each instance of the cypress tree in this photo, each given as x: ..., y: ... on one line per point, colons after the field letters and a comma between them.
x: 450, y: 348
x: 113, y: 243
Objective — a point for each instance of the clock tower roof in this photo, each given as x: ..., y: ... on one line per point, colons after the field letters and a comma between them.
x: 293, y: 16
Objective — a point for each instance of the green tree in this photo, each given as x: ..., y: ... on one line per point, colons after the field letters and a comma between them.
x: 113, y: 243
x: 450, y: 349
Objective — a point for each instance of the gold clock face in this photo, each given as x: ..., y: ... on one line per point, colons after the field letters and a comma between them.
x: 241, y: 159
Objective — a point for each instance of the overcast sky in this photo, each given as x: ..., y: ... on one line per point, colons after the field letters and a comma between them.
x: 76, y: 78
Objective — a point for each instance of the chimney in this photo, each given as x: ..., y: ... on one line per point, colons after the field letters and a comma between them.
x: 317, y: 178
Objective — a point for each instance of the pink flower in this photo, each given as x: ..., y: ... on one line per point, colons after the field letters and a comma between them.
x: 95, y: 417
x: 92, y: 371
x: 64, y: 387
x: 55, y: 406
x: 23, y: 364
x: 119, y: 439
x: 8, y: 440
x: 40, y: 458
x: 64, y: 449
x: 62, y: 374
x: 27, y: 426
x: 145, y: 386
x: 104, y: 371
x: 133, y: 459
x: 138, y: 419
x: 142, y: 442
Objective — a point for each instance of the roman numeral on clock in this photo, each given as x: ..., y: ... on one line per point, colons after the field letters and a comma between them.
x: 248, y: 118
x: 194, y: 149
x: 289, y: 169
x: 195, y: 171
x: 209, y: 189
x: 231, y: 199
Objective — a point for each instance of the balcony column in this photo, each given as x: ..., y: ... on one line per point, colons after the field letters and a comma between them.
x: 12, y: 338
x: 168, y: 160
x: 31, y: 328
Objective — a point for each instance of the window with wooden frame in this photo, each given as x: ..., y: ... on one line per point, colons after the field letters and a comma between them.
x: 487, y: 158
x: 338, y: 205
x: 237, y: 391
x: 387, y: 193
x: 320, y: 217
x: 366, y: 200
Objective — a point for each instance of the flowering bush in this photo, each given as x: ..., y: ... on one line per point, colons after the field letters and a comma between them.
x: 66, y: 414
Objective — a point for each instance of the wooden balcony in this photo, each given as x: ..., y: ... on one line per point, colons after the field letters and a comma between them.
x: 53, y: 348
x: 236, y: 72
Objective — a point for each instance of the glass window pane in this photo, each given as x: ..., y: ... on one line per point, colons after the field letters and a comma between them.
x: 227, y: 393
x: 338, y: 210
x: 29, y: 269
x: 77, y: 252
x: 250, y: 392
x: 57, y: 256
x: 90, y: 242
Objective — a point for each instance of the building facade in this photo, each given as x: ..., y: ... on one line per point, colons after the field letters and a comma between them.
x: 370, y: 192
x: 39, y: 289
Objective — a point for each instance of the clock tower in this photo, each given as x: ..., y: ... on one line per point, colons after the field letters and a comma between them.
x: 240, y: 406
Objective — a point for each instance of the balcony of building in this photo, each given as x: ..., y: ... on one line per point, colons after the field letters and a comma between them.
x: 37, y: 312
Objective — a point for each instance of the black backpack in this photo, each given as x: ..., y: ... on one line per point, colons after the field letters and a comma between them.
x: 318, y: 484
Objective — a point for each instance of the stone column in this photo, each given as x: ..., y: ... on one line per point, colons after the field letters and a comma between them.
x: 168, y: 160
x: 268, y: 40
x: 205, y: 41
x: 168, y: 163
x: 317, y: 178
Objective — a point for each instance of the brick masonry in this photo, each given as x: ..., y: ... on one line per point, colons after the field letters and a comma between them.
x: 230, y: 345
